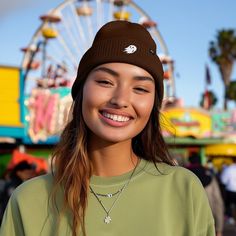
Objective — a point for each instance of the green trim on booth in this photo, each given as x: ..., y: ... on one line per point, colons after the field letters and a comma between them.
x: 192, y: 141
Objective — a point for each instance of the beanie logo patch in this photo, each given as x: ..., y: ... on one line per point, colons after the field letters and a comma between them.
x: 130, y: 49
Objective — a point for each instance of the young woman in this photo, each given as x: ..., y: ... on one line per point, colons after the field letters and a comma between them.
x: 113, y: 174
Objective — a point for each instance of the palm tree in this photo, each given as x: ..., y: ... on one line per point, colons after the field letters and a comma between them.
x: 223, y: 53
x: 231, y: 91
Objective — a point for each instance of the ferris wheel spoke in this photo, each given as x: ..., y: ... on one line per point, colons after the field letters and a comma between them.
x: 71, y: 37
x: 56, y: 54
x: 89, y: 23
x: 57, y: 51
x: 99, y: 14
x: 157, y: 33
x: 160, y: 40
x: 67, y: 50
x: 111, y: 10
x: 79, y: 26
x: 122, y: 10
x: 76, y: 35
x: 60, y: 62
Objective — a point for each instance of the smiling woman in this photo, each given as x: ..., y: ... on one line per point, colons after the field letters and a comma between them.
x: 113, y: 173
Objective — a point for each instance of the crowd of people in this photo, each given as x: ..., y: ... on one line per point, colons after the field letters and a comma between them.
x: 11, y: 179
x: 228, y: 180
x: 220, y: 188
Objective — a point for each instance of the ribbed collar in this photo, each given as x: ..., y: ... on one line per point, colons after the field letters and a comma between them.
x: 116, y: 180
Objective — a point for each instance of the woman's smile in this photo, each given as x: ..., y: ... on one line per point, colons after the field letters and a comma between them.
x: 115, y: 119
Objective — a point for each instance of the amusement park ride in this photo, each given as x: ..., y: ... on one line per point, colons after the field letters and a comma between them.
x: 35, y: 98
x: 38, y: 107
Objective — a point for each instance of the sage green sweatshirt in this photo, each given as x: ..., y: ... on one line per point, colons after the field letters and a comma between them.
x: 169, y: 201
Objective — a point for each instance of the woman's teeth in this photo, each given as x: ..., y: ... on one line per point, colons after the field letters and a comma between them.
x: 116, y: 117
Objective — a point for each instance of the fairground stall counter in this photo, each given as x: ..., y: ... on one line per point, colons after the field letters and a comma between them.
x: 29, y: 124
x: 210, y: 133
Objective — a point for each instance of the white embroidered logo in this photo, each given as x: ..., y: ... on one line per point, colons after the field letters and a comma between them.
x: 130, y: 49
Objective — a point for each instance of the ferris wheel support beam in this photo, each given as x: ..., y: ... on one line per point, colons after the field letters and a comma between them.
x: 27, y: 56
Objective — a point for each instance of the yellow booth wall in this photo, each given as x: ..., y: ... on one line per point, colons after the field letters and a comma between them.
x: 9, y: 96
x: 185, y: 122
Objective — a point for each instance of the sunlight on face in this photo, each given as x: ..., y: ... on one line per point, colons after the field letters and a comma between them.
x: 117, y: 101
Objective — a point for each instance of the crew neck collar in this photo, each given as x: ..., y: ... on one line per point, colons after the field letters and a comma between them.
x: 119, y: 179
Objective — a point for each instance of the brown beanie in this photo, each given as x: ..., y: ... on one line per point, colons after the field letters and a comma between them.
x: 125, y: 42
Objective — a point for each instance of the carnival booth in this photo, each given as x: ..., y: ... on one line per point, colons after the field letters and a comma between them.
x: 11, y: 103
x: 211, y: 133
x: 221, y: 154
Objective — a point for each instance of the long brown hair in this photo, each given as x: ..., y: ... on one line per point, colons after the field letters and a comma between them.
x: 73, y: 168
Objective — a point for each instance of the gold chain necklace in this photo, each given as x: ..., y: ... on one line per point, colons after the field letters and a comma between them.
x: 107, y: 218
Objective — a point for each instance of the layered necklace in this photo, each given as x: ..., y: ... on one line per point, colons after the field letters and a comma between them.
x: 117, y: 194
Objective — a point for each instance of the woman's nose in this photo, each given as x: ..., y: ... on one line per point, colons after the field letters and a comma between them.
x: 120, y: 98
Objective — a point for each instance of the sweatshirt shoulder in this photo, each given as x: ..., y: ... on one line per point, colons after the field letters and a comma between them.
x: 167, y: 169
x: 40, y: 185
x: 182, y: 173
x: 176, y: 173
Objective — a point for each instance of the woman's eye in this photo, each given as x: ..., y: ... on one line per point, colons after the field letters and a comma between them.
x: 104, y: 82
x: 141, y: 90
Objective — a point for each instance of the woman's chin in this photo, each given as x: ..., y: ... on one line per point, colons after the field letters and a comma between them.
x: 113, y: 138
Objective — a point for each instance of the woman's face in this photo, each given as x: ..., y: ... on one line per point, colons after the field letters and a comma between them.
x: 117, y: 101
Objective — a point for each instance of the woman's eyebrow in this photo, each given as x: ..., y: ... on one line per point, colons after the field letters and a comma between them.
x: 144, y: 78
x: 107, y: 70
x: 116, y: 74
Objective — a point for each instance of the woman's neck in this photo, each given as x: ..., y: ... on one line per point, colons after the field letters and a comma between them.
x: 112, y: 159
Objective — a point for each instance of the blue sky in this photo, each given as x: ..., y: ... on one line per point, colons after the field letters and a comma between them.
x: 186, y: 26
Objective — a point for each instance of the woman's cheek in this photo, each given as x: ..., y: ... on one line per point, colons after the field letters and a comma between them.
x: 145, y: 105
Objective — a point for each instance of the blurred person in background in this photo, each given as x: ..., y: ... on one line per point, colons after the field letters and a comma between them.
x: 210, y: 184
x: 21, y: 172
x: 228, y: 179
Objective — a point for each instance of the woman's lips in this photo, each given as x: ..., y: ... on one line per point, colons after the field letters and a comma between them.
x: 115, y: 119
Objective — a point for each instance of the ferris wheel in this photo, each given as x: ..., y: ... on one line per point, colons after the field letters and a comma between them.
x: 67, y: 31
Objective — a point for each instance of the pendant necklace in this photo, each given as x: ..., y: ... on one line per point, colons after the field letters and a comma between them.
x: 107, y: 218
